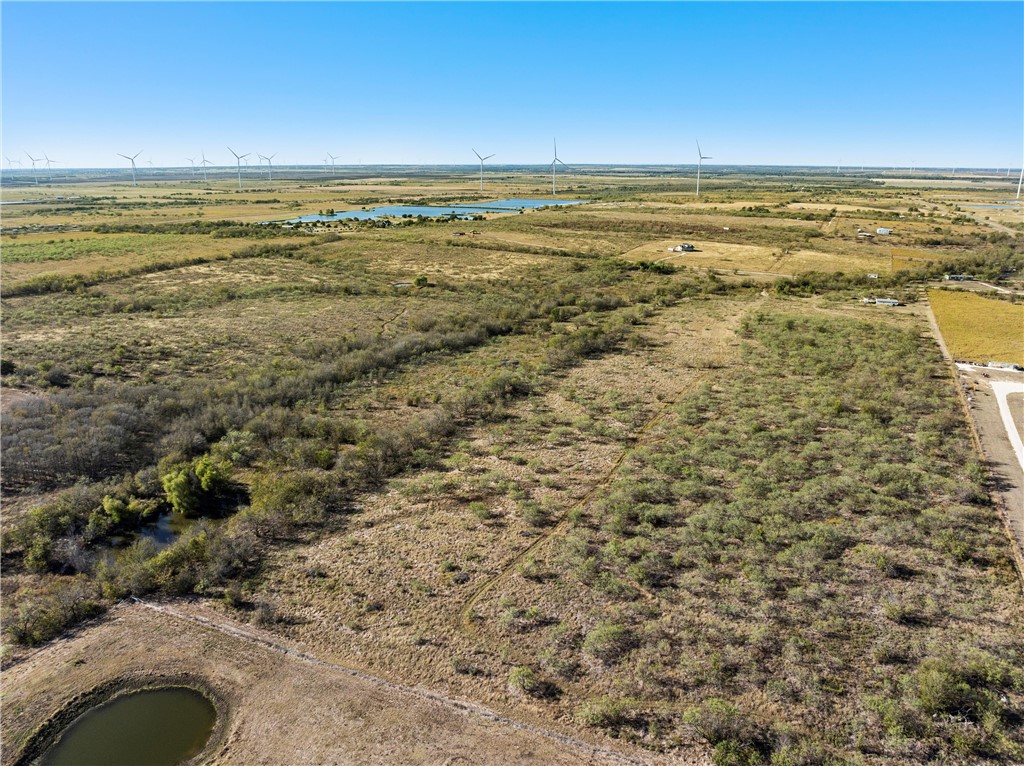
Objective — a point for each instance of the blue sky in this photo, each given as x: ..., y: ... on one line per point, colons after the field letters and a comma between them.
x: 935, y: 84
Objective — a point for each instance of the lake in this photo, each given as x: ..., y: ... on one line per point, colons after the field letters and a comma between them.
x: 429, y: 211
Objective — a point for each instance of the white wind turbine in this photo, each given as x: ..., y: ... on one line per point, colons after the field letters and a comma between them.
x: 193, y: 161
x: 131, y: 160
x: 34, y: 160
x: 238, y: 159
x: 1020, y: 182
x: 203, y: 164
x: 554, y: 163
x: 333, y: 158
x: 482, y: 166
x: 10, y: 162
x: 49, y: 162
x: 700, y: 160
x: 270, y: 165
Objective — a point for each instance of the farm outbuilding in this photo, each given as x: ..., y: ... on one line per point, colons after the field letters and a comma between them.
x: 883, y: 231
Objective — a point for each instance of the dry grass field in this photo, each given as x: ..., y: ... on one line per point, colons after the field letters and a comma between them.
x: 622, y: 498
x: 978, y: 329
x: 285, y: 708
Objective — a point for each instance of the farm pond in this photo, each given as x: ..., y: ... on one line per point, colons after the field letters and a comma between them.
x: 156, y: 727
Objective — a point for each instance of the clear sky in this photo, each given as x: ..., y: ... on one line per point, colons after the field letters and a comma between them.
x: 934, y: 84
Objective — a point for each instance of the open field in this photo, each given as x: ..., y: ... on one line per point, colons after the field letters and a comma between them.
x: 610, y: 493
x: 979, y: 329
x: 271, y: 695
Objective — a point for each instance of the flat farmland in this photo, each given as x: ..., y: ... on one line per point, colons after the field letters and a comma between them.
x: 754, y: 258
x: 529, y: 486
x: 979, y: 329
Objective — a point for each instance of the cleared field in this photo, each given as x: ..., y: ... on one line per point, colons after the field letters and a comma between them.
x: 754, y: 258
x: 270, y: 697
x: 89, y: 253
x: 979, y: 329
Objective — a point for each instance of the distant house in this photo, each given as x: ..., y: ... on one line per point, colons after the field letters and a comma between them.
x: 872, y: 276
x: 958, y: 277
x: 886, y: 302
x: 683, y: 249
x: 883, y: 232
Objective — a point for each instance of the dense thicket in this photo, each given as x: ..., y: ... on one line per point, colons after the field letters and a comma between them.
x: 131, y: 451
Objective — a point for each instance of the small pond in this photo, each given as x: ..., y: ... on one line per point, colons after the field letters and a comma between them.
x: 429, y: 211
x: 155, y: 727
x: 164, y: 530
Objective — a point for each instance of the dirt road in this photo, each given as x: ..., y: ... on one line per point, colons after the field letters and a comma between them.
x: 994, y: 429
x: 994, y: 397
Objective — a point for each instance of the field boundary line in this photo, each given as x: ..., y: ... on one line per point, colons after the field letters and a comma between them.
x: 384, y: 325
x: 462, y: 706
x: 972, y: 428
x: 467, y: 610
x: 487, y: 586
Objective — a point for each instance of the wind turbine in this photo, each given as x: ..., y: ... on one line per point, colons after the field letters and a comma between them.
x: 10, y: 162
x: 238, y: 159
x: 48, y: 163
x: 203, y: 164
x: 553, y: 165
x: 700, y: 159
x: 482, y: 166
x: 1020, y: 182
x: 193, y: 161
x: 34, y: 161
x: 333, y: 158
x: 131, y: 160
x: 838, y: 165
x: 270, y: 165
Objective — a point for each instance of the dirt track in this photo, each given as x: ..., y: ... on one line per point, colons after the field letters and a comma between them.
x: 287, y: 707
x: 997, y: 449
x: 996, y: 440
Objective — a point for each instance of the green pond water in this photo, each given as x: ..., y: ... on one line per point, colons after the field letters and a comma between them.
x: 156, y: 727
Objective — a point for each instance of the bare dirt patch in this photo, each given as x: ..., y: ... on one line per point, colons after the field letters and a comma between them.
x: 282, y: 706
